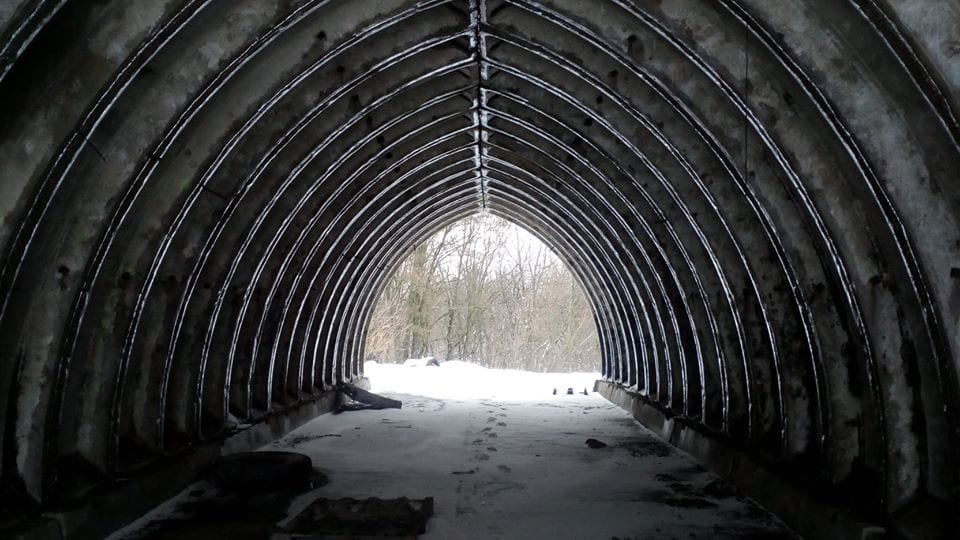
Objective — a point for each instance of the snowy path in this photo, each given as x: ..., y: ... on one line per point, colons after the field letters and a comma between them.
x: 502, y: 463
x: 520, y: 468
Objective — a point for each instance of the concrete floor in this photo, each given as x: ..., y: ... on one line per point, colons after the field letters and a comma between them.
x: 512, y: 469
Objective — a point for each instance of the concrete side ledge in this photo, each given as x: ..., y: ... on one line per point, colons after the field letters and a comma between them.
x: 277, y: 426
x: 123, y: 501
x: 801, y: 512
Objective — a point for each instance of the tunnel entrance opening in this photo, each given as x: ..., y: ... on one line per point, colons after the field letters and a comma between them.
x: 483, y: 292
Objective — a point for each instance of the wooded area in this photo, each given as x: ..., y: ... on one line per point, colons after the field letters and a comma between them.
x: 486, y: 291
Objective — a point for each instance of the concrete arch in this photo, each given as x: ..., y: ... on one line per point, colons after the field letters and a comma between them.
x: 201, y: 200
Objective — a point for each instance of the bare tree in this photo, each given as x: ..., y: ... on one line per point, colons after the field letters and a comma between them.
x: 484, y: 290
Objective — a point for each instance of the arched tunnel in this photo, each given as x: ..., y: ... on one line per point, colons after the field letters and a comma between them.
x: 201, y: 200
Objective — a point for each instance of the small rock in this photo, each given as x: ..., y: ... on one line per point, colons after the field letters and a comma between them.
x: 595, y: 444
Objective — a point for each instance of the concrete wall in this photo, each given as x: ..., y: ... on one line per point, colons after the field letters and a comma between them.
x: 202, y: 198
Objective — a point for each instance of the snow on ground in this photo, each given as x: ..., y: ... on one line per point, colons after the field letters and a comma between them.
x: 505, y: 458
x: 462, y: 380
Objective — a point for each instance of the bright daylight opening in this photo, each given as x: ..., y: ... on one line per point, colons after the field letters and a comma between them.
x: 482, y: 308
